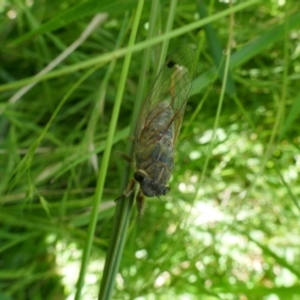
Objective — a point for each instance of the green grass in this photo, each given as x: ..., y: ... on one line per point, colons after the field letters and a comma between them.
x: 229, y: 229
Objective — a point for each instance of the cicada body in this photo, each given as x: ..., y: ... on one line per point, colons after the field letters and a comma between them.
x: 159, y: 124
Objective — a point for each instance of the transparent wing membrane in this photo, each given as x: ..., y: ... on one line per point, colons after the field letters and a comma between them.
x: 159, y: 124
x: 169, y: 94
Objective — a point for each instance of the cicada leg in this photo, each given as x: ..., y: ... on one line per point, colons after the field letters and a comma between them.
x: 129, y: 190
x: 124, y: 156
x: 140, y: 202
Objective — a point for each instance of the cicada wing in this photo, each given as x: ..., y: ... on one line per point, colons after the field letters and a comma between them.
x: 168, y: 96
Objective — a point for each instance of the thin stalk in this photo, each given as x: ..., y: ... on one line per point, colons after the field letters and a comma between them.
x: 106, y: 157
x: 223, y: 91
x: 124, y: 206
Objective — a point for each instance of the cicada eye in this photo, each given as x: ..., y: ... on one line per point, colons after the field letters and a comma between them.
x: 139, y: 176
x: 171, y: 64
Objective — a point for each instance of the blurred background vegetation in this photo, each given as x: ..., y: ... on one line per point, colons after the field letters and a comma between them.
x: 229, y: 229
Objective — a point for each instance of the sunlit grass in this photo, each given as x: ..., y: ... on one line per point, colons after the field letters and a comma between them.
x: 225, y: 231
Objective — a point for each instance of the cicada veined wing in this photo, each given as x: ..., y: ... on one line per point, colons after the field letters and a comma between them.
x: 160, y: 122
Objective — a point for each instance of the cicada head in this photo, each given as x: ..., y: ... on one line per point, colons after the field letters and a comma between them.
x: 150, y: 187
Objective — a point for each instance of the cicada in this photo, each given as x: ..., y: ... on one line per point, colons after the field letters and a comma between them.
x: 159, y: 125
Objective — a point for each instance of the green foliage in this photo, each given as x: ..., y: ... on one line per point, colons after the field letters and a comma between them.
x: 229, y: 229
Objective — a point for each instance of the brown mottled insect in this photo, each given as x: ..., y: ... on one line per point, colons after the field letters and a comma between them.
x: 159, y: 125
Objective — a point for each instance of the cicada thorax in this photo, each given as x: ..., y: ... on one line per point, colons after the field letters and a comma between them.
x: 154, y: 155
